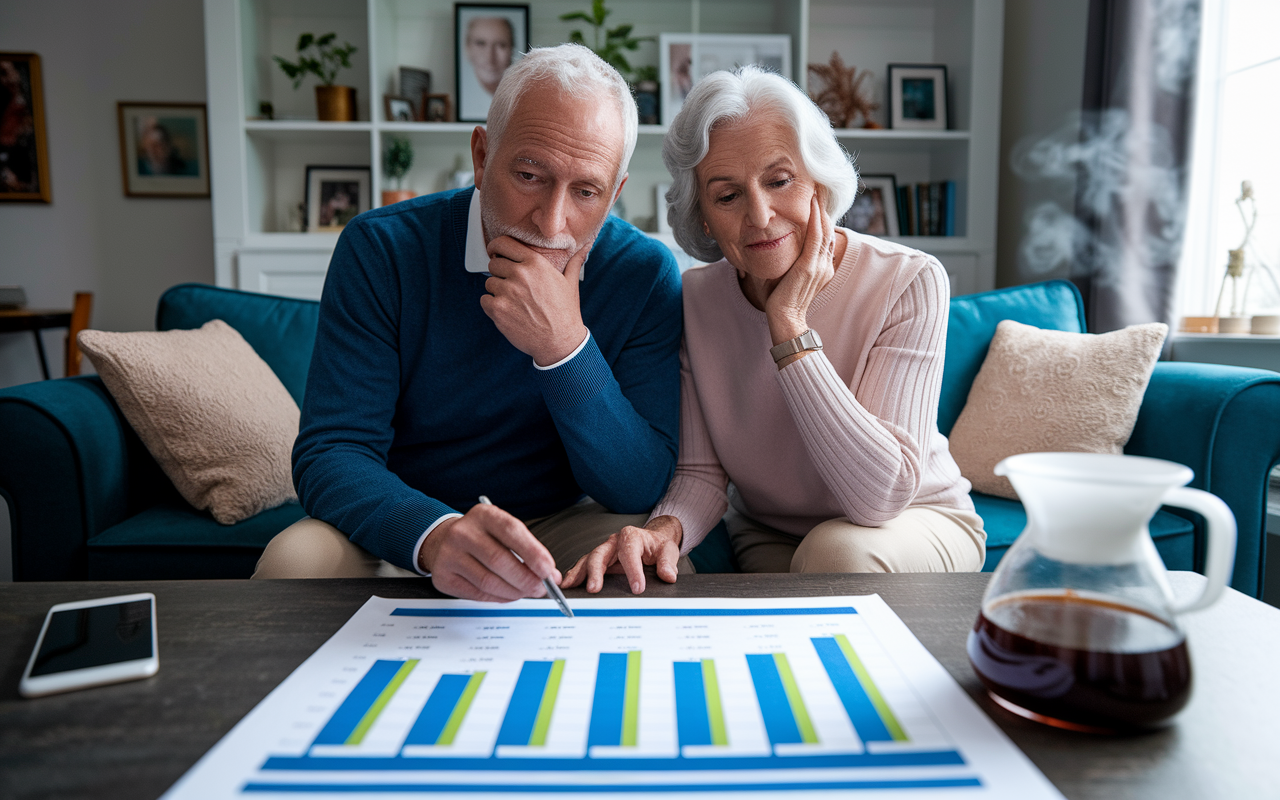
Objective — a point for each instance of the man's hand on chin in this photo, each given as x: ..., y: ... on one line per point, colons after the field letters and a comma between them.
x: 532, y: 302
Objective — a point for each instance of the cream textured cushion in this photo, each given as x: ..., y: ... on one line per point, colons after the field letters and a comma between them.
x: 210, y: 411
x: 1052, y: 391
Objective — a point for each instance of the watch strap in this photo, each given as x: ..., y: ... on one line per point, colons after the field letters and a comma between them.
x: 809, y: 340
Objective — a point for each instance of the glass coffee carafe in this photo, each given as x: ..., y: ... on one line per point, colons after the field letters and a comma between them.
x: 1078, y: 626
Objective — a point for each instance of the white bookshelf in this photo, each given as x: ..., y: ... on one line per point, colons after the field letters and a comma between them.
x: 258, y: 166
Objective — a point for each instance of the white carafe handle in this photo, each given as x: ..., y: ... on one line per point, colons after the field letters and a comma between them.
x: 1220, y: 549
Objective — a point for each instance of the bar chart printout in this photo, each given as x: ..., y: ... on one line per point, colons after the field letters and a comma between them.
x: 709, y: 697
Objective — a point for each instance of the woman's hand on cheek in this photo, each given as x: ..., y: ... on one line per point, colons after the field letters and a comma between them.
x: 787, y: 307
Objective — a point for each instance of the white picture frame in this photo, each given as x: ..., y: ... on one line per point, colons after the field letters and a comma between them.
x: 875, y: 210
x: 918, y: 97
x: 686, y: 57
x: 335, y: 195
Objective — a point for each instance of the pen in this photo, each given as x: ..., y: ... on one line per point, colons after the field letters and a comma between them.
x: 553, y: 591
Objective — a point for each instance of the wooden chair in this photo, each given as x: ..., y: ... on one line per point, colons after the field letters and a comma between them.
x: 80, y: 313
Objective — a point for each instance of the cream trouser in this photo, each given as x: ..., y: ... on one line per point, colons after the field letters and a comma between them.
x: 310, y: 548
x: 921, y: 539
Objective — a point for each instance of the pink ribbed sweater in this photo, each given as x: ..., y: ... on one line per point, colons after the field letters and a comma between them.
x: 850, y: 431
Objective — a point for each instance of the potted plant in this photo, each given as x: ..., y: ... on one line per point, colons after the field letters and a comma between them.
x: 645, y: 90
x: 397, y: 158
x: 606, y: 43
x: 322, y: 58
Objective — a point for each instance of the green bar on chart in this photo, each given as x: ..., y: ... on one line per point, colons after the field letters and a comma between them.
x: 715, y: 711
x: 631, y: 700
x: 807, y: 734
x: 384, y: 697
x: 543, y: 721
x: 873, y: 693
x: 460, y: 710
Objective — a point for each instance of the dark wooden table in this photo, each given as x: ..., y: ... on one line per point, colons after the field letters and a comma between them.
x: 225, y: 644
x: 16, y: 320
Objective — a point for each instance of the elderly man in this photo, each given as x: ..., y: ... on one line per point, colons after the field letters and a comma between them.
x: 489, y: 43
x: 513, y: 341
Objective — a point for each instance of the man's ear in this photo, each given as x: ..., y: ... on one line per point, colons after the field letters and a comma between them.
x: 479, y: 149
x: 621, y: 183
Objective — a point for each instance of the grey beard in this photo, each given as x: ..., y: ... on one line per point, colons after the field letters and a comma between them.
x: 564, y: 244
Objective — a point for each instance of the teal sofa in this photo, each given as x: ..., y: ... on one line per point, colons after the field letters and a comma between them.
x: 87, y: 501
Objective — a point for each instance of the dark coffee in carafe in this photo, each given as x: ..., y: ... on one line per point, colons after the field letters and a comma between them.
x: 1080, y: 662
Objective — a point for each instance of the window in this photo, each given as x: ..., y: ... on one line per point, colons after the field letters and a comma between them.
x: 1236, y: 138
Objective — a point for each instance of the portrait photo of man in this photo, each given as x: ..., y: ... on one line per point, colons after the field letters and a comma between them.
x: 490, y: 39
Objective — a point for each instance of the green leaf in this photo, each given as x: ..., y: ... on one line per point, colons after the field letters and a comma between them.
x: 323, y: 40
x: 576, y: 38
x: 620, y: 31
x: 599, y: 11
x: 576, y: 15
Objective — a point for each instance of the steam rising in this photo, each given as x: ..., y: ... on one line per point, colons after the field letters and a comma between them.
x: 1126, y: 230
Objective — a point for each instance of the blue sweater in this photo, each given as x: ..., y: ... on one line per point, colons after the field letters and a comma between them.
x: 416, y: 404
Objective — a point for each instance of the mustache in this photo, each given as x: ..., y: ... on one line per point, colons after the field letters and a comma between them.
x: 496, y: 229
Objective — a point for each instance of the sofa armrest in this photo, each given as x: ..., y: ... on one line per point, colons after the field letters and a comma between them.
x: 64, y: 473
x: 1224, y: 423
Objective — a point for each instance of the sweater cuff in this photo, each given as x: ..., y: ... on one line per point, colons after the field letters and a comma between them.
x: 577, y: 380
x: 417, y: 548
x: 402, y: 529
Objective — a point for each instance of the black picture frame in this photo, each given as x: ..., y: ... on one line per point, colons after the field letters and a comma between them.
x: 918, y: 97
x: 482, y: 45
x: 324, y: 183
x: 414, y: 83
x: 24, y: 161
x: 875, y: 210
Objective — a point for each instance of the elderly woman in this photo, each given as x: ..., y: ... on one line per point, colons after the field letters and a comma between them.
x: 811, y: 364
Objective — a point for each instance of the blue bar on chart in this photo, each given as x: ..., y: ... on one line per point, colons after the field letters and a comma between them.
x: 693, y: 724
x: 786, y: 719
x: 856, y: 703
x: 532, y: 701
x: 615, y: 706
x: 870, y: 714
x: 440, y: 707
x: 358, y: 703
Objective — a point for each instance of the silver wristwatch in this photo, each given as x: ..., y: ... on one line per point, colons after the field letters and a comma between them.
x: 809, y: 340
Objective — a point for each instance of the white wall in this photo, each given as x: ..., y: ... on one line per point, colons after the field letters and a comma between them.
x: 91, y: 237
x: 1044, y: 51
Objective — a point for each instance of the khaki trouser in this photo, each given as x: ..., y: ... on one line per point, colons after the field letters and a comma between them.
x: 310, y: 548
x: 921, y: 539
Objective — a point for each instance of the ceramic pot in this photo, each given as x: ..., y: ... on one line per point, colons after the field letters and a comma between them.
x: 1233, y: 324
x: 396, y: 195
x: 336, y: 103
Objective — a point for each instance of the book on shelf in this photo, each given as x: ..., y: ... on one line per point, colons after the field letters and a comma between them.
x: 927, y: 209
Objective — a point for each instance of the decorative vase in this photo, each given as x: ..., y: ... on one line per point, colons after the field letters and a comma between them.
x: 336, y: 103
x: 390, y: 196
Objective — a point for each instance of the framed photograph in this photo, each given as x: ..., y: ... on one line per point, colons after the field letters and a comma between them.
x: 918, y: 97
x: 335, y: 195
x: 164, y: 149
x: 487, y: 40
x: 398, y: 109
x: 875, y: 210
x: 437, y: 108
x: 414, y: 83
x: 686, y: 57
x: 24, y: 151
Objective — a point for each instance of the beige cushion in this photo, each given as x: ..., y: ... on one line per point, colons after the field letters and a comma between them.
x: 210, y: 411
x: 1052, y: 391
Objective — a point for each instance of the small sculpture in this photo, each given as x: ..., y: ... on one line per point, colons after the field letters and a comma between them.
x: 841, y: 93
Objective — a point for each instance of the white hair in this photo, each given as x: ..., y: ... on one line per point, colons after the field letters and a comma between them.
x: 581, y: 74
x: 727, y: 97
